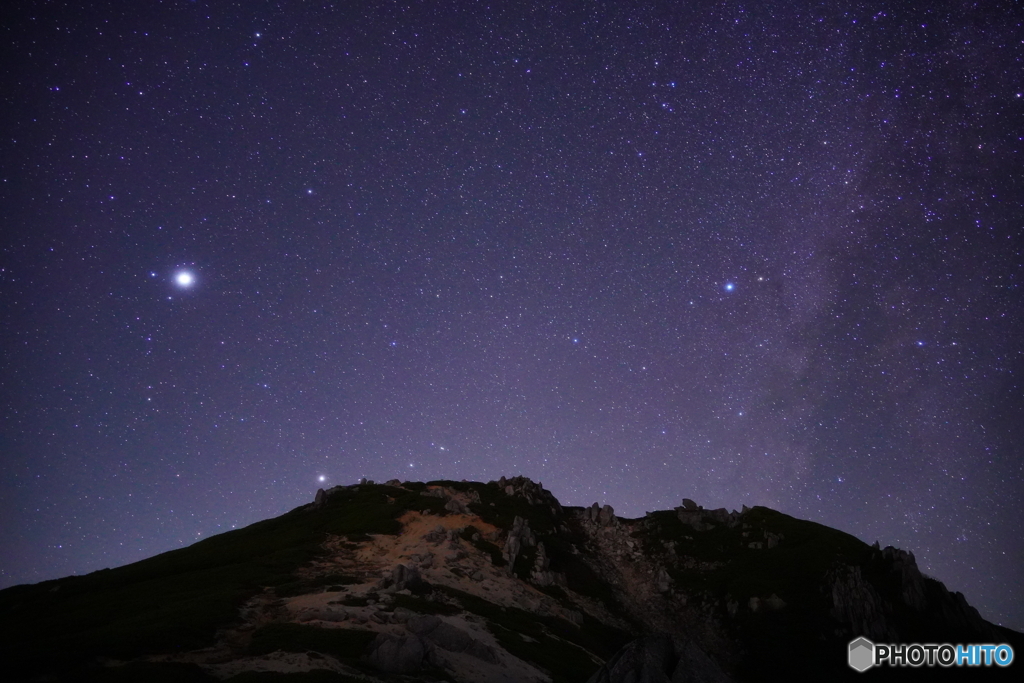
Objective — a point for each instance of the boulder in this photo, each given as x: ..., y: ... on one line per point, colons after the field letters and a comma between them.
x: 403, y: 577
x: 456, y: 506
x: 397, y: 654
x: 402, y: 615
x: 689, y: 504
x: 663, y: 580
x: 721, y: 516
x: 606, y: 516
x: 407, y: 576
x: 438, y: 535
x: 449, y: 637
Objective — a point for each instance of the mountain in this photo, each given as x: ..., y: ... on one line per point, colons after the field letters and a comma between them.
x: 466, y: 581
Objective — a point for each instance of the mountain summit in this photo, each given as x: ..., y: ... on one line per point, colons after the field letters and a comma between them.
x: 471, y: 582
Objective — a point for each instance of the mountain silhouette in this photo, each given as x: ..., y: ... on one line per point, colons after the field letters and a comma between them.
x: 469, y: 581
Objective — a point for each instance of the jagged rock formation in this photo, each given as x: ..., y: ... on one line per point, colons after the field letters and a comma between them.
x: 519, y: 537
x: 465, y: 581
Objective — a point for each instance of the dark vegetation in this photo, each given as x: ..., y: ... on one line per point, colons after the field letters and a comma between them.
x: 792, y: 570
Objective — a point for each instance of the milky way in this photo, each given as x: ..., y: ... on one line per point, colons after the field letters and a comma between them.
x: 763, y: 253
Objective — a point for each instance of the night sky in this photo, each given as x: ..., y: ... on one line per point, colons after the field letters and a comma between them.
x: 746, y: 253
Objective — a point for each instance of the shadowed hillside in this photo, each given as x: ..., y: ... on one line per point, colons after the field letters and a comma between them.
x: 466, y: 581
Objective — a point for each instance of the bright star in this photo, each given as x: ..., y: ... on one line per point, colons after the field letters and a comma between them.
x: 729, y: 286
x: 322, y: 478
x: 185, y: 279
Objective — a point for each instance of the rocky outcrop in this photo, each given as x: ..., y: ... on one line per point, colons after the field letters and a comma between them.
x: 655, y: 659
x: 449, y: 637
x: 856, y: 604
x: 403, y: 577
x: 904, y: 567
x: 533, y: 493
x: 602, y: 516
x: 701, y: 520
x: 456, y: 506
x: 495, y: 582
x: 519, y: 537
x: 664, y: 580
x: 396, y: 654
x: 542, y: 574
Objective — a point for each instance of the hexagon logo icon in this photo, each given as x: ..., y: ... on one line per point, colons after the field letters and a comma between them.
x: 861, y: 654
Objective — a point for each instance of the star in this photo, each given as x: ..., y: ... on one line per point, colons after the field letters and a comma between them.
x: 185, y: 279
x: 729, y: 286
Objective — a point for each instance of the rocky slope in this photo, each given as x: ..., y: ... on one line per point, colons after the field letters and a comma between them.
x: 465, y: 581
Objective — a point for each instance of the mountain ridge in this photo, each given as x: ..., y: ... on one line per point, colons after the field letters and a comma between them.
x: 470, y: 581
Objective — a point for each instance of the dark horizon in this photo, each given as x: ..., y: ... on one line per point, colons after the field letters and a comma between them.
x: 750, y: 255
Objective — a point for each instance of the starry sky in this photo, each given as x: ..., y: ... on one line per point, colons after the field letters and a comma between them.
x: 761, y: 253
